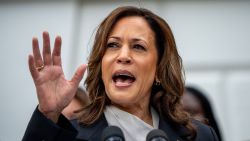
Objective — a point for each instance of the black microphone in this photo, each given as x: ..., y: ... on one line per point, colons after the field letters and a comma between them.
x: 157, y: 135
x: 112, y: 133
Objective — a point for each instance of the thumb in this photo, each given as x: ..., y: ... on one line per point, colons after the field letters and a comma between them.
x: 78, y: 74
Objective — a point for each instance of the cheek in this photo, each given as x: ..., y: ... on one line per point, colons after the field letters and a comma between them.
x: 149, y: 67
x: 147, y: 74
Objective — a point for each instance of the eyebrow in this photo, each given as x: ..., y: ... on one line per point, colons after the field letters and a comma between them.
x: 133, y: 39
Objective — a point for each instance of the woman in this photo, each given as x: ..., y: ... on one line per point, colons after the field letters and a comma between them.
x: 199, y: 107
x: 134, y: 81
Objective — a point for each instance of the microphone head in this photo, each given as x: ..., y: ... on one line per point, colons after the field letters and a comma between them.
x: 112, y: 133
x: 157, y: 135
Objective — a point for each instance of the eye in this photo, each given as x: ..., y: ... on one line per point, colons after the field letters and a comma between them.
x: 112, y: 45
x: 139, y: 47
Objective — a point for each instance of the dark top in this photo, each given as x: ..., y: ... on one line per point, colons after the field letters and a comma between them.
x: 42, y: 129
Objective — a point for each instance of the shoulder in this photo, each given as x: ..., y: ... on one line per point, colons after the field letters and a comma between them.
x: 204, y: 132
x: 180, y: 132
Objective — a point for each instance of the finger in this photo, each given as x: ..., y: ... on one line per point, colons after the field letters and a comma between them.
x: 46, y: 49
x: 78, y: 74
x: 56, y: 55
x: 36, y: 53
x: 32, y: 68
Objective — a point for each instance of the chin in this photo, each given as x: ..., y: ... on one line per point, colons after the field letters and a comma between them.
x: 122, y: 98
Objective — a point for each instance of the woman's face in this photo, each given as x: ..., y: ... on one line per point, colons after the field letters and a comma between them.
x: 129, y: 62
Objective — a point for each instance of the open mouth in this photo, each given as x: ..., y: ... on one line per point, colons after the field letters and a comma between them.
x: 123, y: 78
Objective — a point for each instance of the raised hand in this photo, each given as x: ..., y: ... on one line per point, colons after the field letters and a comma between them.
x: 54, y: 92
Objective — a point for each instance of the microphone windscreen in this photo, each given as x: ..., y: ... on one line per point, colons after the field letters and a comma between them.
x: 157, y: 135
x: 112, y: 133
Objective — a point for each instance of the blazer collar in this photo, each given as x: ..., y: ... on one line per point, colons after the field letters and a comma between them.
x: 174, y: 133
x: 94, y: 131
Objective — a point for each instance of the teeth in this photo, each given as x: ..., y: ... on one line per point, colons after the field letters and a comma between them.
x: 123, y: 76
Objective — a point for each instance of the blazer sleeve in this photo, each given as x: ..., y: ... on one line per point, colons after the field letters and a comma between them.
x: 41, y: 128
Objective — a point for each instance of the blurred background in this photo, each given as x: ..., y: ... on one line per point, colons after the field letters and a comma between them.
x: 213, y: 38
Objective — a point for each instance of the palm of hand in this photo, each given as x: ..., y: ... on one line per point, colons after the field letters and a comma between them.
x: 53, y: 90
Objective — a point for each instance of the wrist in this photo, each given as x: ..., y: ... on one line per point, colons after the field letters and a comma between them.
x: 54, y: 116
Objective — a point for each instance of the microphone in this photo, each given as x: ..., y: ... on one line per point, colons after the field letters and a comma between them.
x: 112, y: 133
x: 157, y: 135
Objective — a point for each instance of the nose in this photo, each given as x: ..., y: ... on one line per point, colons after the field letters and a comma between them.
x: 124, y: 55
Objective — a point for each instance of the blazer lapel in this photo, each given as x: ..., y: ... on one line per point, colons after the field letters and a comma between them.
x: 92, y: 132
x: 173, y: 133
